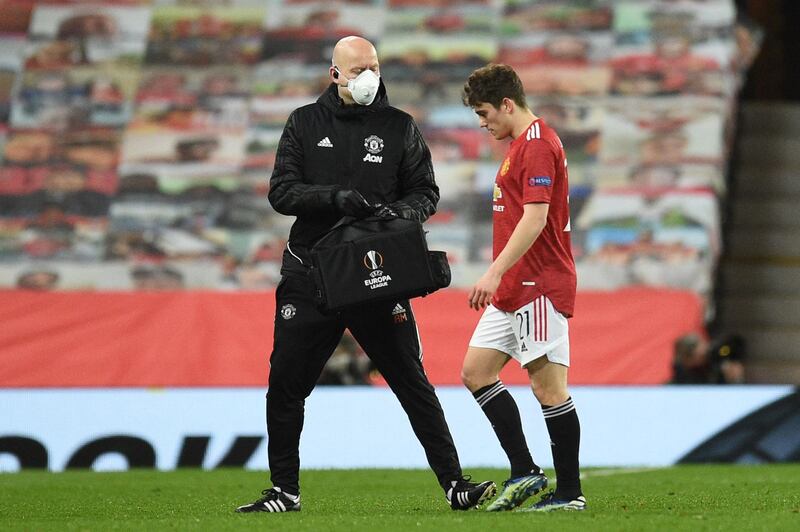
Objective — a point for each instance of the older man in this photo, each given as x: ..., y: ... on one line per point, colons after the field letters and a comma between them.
x: 346, y: 155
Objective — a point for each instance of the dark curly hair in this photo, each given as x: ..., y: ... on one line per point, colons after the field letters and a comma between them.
x: 492, y: 83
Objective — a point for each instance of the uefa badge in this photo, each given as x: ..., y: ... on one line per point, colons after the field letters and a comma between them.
x: 288, y: 311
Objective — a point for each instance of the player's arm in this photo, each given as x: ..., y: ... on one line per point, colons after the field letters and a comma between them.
x: 528, y: 229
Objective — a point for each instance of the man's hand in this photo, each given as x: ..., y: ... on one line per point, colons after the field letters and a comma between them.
x: 385, y: 212
x: 481, y: 294
x: 352, y: 203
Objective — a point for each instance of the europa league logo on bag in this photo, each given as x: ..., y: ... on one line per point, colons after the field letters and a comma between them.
x: 359, y: 262
x: 373, y: 260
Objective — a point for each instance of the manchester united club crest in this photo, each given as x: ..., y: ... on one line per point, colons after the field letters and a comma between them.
x: 373, y: 144
x: 288, y: 311
x: 505, y: 167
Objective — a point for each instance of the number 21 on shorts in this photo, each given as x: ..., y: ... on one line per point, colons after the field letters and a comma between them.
x: 531, y: 323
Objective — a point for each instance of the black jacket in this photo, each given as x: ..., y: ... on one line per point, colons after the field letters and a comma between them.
x: 328, y: 146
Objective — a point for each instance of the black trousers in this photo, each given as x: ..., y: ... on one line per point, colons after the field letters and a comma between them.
x: 306, y: 338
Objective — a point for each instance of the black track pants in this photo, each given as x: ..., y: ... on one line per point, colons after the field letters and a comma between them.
x: 306, y: 338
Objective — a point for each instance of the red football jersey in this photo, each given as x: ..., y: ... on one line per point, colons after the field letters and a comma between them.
x: 535, y: 171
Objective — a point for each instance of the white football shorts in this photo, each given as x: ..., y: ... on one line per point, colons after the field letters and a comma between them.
x: 532, y: 331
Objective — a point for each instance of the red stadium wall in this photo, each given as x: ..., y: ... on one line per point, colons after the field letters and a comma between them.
x: 168, y: 339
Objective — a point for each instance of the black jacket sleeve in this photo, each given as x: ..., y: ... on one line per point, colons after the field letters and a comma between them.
x: 288, y: 192
x: 418, y: 191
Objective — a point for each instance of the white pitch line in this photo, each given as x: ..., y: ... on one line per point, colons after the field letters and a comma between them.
x: 618, y: 471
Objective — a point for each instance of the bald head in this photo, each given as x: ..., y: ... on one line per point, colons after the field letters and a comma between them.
x: 353, y: 48
x: 351, y: 56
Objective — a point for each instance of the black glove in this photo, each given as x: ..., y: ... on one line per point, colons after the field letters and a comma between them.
x: 385, y: 212
x: 352, y: 203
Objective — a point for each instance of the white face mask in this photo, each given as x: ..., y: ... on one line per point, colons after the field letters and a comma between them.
x: 364, y: 87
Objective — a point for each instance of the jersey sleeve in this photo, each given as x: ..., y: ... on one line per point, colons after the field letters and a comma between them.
x: 539, y: 171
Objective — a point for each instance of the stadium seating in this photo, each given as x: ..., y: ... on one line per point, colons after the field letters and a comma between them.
x: 137, y: 139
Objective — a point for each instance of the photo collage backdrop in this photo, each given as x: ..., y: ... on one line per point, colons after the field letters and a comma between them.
x: 138, y: 137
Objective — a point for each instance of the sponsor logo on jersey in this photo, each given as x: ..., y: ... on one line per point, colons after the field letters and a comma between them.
x: 374, y: 145
x: 325, y: 143
x: 540, y: 181
x: 496, y: 195
x: 288, y: 311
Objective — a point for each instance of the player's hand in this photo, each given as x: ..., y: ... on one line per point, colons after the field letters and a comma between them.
x: 352, y: 203
x: 481, y: 294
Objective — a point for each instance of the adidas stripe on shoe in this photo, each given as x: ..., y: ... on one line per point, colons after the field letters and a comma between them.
x: 273, y: 501
x: 463, y: 494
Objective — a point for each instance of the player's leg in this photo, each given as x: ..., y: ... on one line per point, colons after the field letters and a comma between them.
x: 304, y: 340
x: 388, y: 334
x: 548, y: 376
x: 486, y: 356
x: 549, y: 381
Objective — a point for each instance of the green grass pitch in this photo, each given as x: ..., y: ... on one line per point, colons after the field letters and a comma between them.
x: 681, y: 498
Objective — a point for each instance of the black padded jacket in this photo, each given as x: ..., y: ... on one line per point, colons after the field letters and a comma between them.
x: 327, y: 146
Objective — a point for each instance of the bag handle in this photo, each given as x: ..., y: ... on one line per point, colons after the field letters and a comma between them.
x: 345, y: 220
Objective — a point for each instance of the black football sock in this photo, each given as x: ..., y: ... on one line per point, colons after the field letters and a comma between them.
x: 503, y: 414
x: 565, y: 437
